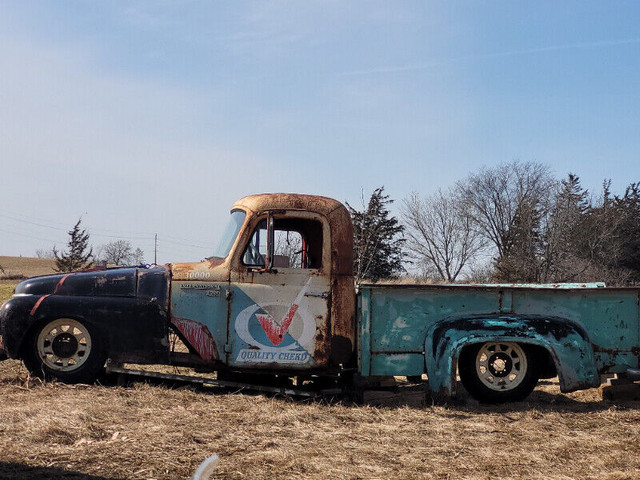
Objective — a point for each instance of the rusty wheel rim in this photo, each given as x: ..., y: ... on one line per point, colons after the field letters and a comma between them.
x: 501, y: 366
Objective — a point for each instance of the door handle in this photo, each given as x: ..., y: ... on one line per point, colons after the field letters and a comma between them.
x: 317, y: 294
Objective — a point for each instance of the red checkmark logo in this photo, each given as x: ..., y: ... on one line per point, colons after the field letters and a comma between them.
x: 276, y: 332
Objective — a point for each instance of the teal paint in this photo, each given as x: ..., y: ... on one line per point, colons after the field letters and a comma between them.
x: 566, y: 341
x: 506, y: 301
x: 240, y: 341
x: 397, y: 363
x: 206, y: 305
x: 587, y: 330
x: 250, y: 346
x: 364, y: 333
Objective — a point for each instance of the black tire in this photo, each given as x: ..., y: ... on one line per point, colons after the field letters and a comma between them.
x: 498, y: 372
x: 64, y: 349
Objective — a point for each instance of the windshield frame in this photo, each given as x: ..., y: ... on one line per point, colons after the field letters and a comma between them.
x: 231, y: 233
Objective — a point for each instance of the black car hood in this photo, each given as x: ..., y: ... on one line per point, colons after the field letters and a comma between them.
x: 118, y: 282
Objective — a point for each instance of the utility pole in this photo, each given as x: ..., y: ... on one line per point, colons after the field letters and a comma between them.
x: 155, y: 250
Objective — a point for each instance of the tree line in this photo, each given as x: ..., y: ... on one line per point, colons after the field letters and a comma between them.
x: 513, y: 223
x: 79, y: 255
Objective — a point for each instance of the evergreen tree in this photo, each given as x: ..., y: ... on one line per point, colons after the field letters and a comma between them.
x: 564, y: 233
x: 77, y: 258
x: 572, y: 198
x: 627, y: 209
x: 521, y: 260
x: 585, y: 239
x: 377, y: 238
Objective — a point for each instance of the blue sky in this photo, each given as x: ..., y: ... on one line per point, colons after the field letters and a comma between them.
x: 153, y: 117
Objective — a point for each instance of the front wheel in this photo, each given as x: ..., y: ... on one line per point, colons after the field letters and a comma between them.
x: 65, y: 349
x: 498, y: 372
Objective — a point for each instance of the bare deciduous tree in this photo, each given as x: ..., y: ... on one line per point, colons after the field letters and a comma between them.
x: 537, y: 229
x: 439, y: 234
x: 120, y: 252
x: 492, y: 197
x: 509, y: 206
x: 289, y: 244
x: 137, y: 256
x: 44, y: 253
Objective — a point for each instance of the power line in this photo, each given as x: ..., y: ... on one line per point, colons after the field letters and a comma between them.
x: 163, y: 250
x: 178, y: 239
x: 30, y: 217
x: 137, y: 236
x: 186, y: 244
x: 29, y: 236
x: 67, y: 229
x: 32, y: 223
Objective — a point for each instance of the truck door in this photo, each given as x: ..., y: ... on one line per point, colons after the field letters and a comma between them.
x: 280, y: 294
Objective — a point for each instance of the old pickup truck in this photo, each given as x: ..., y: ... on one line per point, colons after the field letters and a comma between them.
x: 278, y: 299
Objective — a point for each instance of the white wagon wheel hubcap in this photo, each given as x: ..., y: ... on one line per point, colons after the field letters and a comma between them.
x: 501, y: 365
x: 64, y: 345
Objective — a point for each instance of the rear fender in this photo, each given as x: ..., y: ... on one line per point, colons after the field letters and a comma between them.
x: 566, y: 341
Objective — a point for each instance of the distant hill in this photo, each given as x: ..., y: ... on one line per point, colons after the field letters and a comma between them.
x: 16, y: 268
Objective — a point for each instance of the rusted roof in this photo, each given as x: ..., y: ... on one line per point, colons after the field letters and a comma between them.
x: 335, y: 212
x: 289, y: 201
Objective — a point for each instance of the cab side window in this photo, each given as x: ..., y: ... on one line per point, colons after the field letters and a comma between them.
x: 256, y: 250
x: 297, y: 244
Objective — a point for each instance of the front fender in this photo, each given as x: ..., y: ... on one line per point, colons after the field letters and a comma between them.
x: 15, y: 322
x: 125, y: 325
x: 566, y: 341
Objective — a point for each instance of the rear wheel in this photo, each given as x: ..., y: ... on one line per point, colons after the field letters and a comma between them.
x: 498, y: 372
x: 66, y: 350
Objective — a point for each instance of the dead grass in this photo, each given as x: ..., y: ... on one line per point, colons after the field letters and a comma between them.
x: 25, y: 267
x: 14, y: 269
x: 50, y: 430
x: 6, y: 290
x: 143, y: 432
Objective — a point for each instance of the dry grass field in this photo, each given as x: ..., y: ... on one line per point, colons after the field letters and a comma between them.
x: 161, y: 432
x: 16, y: 268
x: 25, y: 267
x: 6, y: 289
x: 143, y: 431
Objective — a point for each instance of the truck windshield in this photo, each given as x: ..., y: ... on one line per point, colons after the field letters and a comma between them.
x: 230, y: 234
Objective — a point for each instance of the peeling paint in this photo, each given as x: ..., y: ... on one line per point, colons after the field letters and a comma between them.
x: 277, y: 318
x: 198, y: 336
x: 37, y: 304
x: 586, y: 331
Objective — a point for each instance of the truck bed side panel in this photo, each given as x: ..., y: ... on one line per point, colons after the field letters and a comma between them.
x: 610, y: 316
x: 394, y: 319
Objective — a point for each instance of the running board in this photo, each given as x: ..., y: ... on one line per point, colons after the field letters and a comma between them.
x: 223, y: 383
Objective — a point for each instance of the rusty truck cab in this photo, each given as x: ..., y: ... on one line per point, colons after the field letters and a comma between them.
x: 279, y: 295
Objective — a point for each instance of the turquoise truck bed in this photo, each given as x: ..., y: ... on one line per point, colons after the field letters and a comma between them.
x: 412, y: 329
